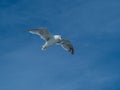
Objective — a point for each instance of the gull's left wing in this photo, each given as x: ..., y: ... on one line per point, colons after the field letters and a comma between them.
x: 42, y: 32
x: 67, y: 45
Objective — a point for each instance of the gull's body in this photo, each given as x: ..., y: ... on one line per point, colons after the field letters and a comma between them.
x: 52, y: 39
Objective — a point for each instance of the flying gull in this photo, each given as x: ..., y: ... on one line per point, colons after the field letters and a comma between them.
x: 52, y: 39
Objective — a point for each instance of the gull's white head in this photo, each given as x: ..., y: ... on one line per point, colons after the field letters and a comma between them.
x: 58, y: 38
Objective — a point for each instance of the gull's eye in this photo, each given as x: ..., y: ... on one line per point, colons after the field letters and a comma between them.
x: 61, y: 37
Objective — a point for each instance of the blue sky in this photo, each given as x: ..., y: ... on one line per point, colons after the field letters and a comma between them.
x: 93, y: 26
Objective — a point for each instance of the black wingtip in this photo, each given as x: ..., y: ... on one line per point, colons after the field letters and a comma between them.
x: 72, y: 51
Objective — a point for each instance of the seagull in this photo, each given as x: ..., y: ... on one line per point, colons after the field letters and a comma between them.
x: 52, y: 39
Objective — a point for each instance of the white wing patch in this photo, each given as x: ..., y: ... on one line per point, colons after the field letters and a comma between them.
x: 42, y: 32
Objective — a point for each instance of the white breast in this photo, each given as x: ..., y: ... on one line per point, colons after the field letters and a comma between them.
x: 51, y: 42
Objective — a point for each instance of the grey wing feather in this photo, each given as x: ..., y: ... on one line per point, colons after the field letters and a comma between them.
x: 42, y: 32
x: 67, y: 45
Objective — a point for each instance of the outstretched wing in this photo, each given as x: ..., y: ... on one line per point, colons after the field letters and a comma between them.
x: 42, y: 32
x: 67, y: 45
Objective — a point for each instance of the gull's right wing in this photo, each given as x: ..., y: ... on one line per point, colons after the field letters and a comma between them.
x: 67, y: 46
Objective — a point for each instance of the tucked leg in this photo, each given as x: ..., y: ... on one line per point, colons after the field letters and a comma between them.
x: 44, y: 47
